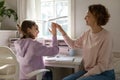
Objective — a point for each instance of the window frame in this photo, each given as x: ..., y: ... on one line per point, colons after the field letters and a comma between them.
x: 23, y: 13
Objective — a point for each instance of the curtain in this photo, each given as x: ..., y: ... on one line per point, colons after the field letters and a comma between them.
x: 28, y: 9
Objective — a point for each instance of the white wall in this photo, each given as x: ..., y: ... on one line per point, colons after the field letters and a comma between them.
x: 114, y: 24
x: 5, y: 35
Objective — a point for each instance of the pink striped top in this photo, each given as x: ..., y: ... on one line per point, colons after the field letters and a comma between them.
x: 97, y: 51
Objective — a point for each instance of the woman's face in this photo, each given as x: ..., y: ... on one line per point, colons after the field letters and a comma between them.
x: 34, y: 30
x: 90, y: 19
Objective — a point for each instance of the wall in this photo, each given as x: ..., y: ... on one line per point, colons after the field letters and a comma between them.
x: 5, y: 35
x: 81, y: 7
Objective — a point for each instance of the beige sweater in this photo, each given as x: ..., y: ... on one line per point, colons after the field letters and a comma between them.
x: 97, y: 51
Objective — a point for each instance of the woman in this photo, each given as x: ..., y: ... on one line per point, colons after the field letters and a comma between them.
x: 30, y: 52
x: 97, y: 47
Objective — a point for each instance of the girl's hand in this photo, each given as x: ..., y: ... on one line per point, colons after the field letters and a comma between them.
x: 59, y: 27
x: 19, y: 29
x: 53, y: 29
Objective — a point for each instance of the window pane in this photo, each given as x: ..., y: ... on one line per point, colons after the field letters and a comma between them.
x: 51, y: 9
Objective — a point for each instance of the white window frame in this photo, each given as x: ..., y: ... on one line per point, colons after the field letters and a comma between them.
x: 72, y: 18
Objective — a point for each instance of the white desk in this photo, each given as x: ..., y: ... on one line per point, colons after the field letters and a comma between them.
x: 75, y: 63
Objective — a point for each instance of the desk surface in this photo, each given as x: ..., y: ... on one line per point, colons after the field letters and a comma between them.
x: 69, y: 62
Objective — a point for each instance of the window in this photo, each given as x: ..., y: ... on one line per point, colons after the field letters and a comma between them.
x: 57, y: 11
x: 43, y: 10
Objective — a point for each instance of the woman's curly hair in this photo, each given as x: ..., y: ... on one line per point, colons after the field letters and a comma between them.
x: 100, y: 13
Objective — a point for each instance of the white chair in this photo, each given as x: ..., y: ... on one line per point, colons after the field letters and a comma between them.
x: 9, y: 66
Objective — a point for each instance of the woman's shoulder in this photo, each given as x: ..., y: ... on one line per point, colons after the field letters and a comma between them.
x: 106, y: 35
x: 86, y: 32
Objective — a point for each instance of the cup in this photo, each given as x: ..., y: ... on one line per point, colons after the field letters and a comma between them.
x: 72, y: 52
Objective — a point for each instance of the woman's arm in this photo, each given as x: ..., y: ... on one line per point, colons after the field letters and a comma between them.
x: 70, y: 42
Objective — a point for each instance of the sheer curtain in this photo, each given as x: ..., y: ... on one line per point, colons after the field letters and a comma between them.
x: 27, y: 9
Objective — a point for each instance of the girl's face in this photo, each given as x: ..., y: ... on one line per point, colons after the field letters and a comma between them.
x: 34, y: 30
x: 90, y: 19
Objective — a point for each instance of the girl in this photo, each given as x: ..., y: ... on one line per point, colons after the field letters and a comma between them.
x: 30, y: 52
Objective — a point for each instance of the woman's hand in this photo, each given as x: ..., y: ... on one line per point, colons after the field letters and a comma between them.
x: 53, y: 29
x: 60, y: 29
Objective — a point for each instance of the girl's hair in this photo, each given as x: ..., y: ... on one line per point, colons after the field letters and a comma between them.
x: 100, y: 13
x: 25, y: 25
